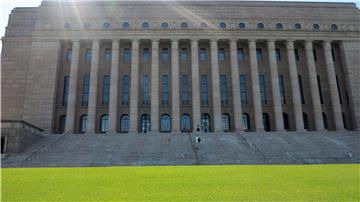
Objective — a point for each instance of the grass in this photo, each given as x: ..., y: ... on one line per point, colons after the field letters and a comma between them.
x: 183, y: 183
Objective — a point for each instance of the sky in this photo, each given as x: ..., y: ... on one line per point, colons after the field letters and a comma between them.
x: 7, y: 5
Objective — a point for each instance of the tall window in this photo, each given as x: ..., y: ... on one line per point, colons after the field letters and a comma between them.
x: 296, y: 52
x: 107, y: 55
x: 338, y: 88
x: 124, y: 123
x: 204, y: 90
x: 306, y: 121
x: 104, y: 123
x: 184, y: 90
x: 320, y: 91
x: 246, y: 121
x: 68, y: 55
x: 127, y: 55
x: 165, y: 90
x: 202, y: 54
x: 243, y: 93
x: 225, y: 119
x: 222, y: 54
x: 282, y: 88
x: 286, y: 121
x: 165, y: 55
x: 62, y: 123
x: 205, y: 123
x: 332, y: 54
x: 262, y: 89
x: 125, y: 91
x: 184, y: 54
x: 65, y: 91
x: 83, y: 123
x: 301, y: 90
x: 85, y: 94
x: 87, y: 56
x: 185, y: 123
x: 259, y: 54
x: 325, y: 120
x: 146, y: 90
x: 278, y: 54
x: 240, y: 54
x: 106, y: 90
x: 146, y: 54
x: 165, y: 123
x: 224, y: 94
x: 266, y: 122
x: 314, y: 53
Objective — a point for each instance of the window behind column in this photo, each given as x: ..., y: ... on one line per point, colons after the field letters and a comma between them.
x: 296, y: 52
x: 87, y: 55
x: 282, y: 89
x: 146, y: 99
x: 204, y: 90
x: 278, y: 54
x: 165, y: 89
x: 65, y: 90
x: 221, y: 54
x: 223, y: 89
x: 106, y: 90
x: 184, y: 90
x: 301, y: 89
x: 125, y: 91
x: 259, y: 55
x: 107, y: 55
x: 127, y: 55
x: 184, y: 54
x: 262, y: 89
x: 165, y: 55
x: 320, y: 91
x: 85, y: 94
x: 243, y: 93
x: 240, y: 54
x: 146, y: 54
x: 202, y: 54
x: 68, y: 55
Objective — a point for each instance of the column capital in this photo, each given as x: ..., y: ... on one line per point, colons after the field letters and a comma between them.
x: 174, y: 40
x: 252, y: 40
x: 155, y: 40
x: 75, y: 40
x: 114, y: 40
x: 95, y: 40
x: 213, y: 40
x: 233, y: 40
x: 326, y: 44
x: 271, y: 44
x: 290, y: 44
x: 309, y: 44
x: 135, y: 40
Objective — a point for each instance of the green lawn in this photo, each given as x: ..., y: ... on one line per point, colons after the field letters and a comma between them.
x: 184, y: 183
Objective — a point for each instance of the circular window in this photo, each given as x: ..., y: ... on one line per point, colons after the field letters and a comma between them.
x: 222, y: 25
x: 125, y: 25
x: 334, y: 27
x: 164, y: 25
x: 241, y: 25
x: 184, y: 25
x: 145, y: 25
x: 279, y: 26
x: 297, y: 26
x: 316, y: 26
x: 86, y: 25
x: 260, y: 25
x: 67, y: 25
x: 106, y: 25
x: 203, y: 25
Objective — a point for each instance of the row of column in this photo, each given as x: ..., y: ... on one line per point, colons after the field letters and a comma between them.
x: 279, y: 122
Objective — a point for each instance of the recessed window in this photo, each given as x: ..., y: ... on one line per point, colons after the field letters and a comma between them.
x: 125, y: 91
x: 164, y: 25
x: 104, y: 123
x: 68, y: 55
x: 202, y: 54
x: 316, y: 26
x: 223, y: 90
x: 184, y: 25
x: 240, y: 54
x: 297, y: 26
x: 67, y: 25
x: 279, y: 26
x: 184, y: 54
x: 222, y: 25
x: 85, y: 93
x: 165, y: 89
x: 125, y: 25
x: 146, y: 96
x: 260, y: 25
x: 334, y: 27
x: 87, y: 25
x: 222, y: 54
x: 204, y: 90
x: 278, y: 54
x: 127, y: 55
x: 146, y: 54
x: 106, y: 25
x: 106, y: 90
x: 184, y: 90
x: 259, y: 55
x: 203, y: 25
x: 241, y: 25
x: 165, y: 54
x: 145, y: 25
x: 107, y: 55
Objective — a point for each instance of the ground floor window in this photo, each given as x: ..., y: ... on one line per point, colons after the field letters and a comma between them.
x: 165, y: 123
x: 124, y: 123
x: 306, y: 121
x: 62, y: 123
x: 266, y: 122
x: 246, y: 121
x: 145, y: 123
x: 185, y: 123
x: 205, y: 123
x: 286, y: 121
x: 225, y: 119
x: 83, y: 123
x: 104, y: 123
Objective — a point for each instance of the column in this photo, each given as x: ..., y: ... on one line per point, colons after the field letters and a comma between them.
x: 215, y: 85
x: 235, y: 86
x: 175, y: 85
x: 195, y: 84
x: 334, y: 93
x: 315, y: 97
x: 275, y: 89
x: 154, y: 85
x: 295, y: 90
x: 93, y: 86
x: 259, y: 126
x: 71, y: 104
x: 114, y: 86
x: 134, y: 88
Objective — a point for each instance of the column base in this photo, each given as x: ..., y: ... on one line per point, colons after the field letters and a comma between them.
x: 301, y: 130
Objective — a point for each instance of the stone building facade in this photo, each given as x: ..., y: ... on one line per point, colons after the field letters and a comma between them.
x: 175, y: 66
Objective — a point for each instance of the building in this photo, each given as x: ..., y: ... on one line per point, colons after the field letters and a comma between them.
x: 173, y: 66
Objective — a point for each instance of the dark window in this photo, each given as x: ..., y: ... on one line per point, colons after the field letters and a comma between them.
x: 278, y: 54
x: 146, y: 98
x: 145, y: 25
x: 279, y: 26
x: 223, y: 89
x: 246, y: 121
x: 127, y: 55
x: 266, y: 122
x: 104, y: 123
x: 260, y: 25
x: 222, y: 54
x: 334, y: 27
x: 125, y: 91
x: 325, y: 120
x: 65, y: 90
x: 205, y: 123
x: 87, y: 55
x: 320, y: 91
x: 316, y: 26
x: 282, y: 88
x: 184, y: 54
x: 204, y: 90
x: 240, y: 53
x: 241, y: 25
x: 338, y: 88
x: 83, y: 123
x: 259, y: 54
x: 297, y: 26
x: 165, y: 54
x: 107, y: 55
x: 165, y: 90
x: 164, y: 25
x: 286, y: 121
x: 243, y: 92
x: 184, y: 25
x: 85, y: 94
x: 185, y: 123
x: 306, y: 121
x: 124, y: 123
x: 125, y: 25
x: 344, y: 120
x: 145, y: 124
x: 314, y: 53
x: 106, y: 90
x: 68, y: 55
x: 296, y: 51
x: 333, y: 54
x: 3, y: 145
x: 262, y: 89
x: 146, y: 54
x: 225, y: 119
x: 202, y: 54
x: 106, y: 25
x: 165, y: 124
x: 62, y: 123
x: 222, y: 25
x: 301, y: 89
x: 184, y: 90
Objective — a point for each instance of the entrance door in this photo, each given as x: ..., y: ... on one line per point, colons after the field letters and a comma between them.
x: 145, y: 123
x: 205, y: 123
